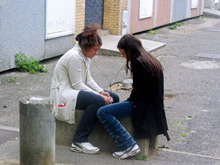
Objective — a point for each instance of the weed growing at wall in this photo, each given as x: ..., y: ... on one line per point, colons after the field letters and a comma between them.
x: 26, y: 64
x: 179, y: 24
x: 152, y: 32
x: 173, y: 27
x: 144, y: 157
x: 201, y: 17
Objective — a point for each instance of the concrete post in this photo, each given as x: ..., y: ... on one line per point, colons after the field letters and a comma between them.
x: 37, y: 131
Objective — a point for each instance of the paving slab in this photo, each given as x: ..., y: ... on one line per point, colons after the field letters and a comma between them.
x: 6, y: 135
x: 110, y: 42
x: 9, y: 155
x: 208, y: 55
x: 212, y: 13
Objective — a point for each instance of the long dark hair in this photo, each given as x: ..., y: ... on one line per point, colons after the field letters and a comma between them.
x: 89, y: 37
x: 134, y: 50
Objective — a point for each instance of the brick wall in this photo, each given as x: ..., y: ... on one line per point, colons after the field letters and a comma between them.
x: 112, y: 18
x: 79, y: 17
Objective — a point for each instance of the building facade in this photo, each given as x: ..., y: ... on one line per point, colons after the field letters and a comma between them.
x: 133, y: 16
x: 47, y: 28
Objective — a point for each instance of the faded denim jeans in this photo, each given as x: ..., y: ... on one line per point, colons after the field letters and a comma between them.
x: 90, y: 103
x: 109, y: 115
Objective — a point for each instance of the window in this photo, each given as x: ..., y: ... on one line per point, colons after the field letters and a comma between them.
x: 60, y: 18
x: 194, y: 4
x: 145, y: 8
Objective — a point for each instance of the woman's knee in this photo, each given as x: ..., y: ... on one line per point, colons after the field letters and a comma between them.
x: 100, y: 113
x: 116, y: 98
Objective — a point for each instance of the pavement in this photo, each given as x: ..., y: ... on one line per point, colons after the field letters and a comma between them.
x: 191, y: 63
x: 109, y: 46
x: 212, y: 13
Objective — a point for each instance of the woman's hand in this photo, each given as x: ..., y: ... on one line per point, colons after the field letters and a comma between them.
x: 104, y: 93
x: 108, y: 100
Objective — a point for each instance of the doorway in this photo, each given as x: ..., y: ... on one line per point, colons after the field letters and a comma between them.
x: 94, y: 12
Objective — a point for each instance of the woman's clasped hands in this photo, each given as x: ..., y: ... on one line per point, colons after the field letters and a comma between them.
x: 107, y: 97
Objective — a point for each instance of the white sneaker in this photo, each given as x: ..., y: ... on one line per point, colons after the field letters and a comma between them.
x: 85, y: 147
x: 127, y: 153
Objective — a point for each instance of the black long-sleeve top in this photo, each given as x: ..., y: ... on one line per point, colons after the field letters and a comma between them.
x: 148, y: 113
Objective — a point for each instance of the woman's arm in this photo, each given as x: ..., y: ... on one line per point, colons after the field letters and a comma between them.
x: 140, y: 81
x: 91, y: 82
x: 75, y: 68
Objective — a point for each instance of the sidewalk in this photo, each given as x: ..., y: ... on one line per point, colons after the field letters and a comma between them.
x: 10, y: 156
x: 109, y: 46
x: 212, y: 13
x: 191, y: 99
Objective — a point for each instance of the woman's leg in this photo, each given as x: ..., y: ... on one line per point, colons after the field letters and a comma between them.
x: 90, y: 103
x: 109, y: 115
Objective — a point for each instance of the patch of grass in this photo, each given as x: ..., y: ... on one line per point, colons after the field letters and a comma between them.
x: 172, y: 27
x: 11, y: 79
x: 26, y: 64
x: 175, y: 124
x: 179, y: 24
x: 184, y: 135
x: 144, y: 157
x: 201, y: 17
x: 186, y: 130
x: 153, y: 32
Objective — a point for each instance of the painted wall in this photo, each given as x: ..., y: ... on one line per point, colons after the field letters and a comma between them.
x: 23, y: 29
x: 196, y: 11
x: 136, y: 24
x: 163, y: 12
x: 179, y: 9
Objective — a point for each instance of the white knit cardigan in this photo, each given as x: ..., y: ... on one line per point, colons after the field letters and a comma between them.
x: 71, y: 74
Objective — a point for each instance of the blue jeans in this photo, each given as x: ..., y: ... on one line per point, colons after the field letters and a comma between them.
x: 109, y: 115
x: 90, y: 103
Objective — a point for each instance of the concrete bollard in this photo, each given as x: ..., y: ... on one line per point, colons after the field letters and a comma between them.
x: 37, y: 131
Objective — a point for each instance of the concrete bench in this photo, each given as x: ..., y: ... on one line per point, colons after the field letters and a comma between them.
x: 99, y: 137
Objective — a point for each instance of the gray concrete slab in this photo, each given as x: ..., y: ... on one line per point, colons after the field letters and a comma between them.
x: 10, y: 156
x: 211, y: 13
x: 208, y: 55
x: 6, y: 135
x: 109, y: 46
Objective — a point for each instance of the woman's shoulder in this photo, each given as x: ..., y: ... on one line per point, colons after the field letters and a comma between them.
x: 136, y: 64
x: 72, y: 54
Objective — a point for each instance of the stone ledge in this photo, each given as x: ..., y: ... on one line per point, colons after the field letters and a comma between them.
x: 99, y: 137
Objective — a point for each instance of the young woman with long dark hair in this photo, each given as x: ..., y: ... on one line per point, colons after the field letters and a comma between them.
x: 145, y: 103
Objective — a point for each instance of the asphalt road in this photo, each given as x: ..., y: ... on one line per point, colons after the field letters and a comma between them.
x: 192, y: 92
